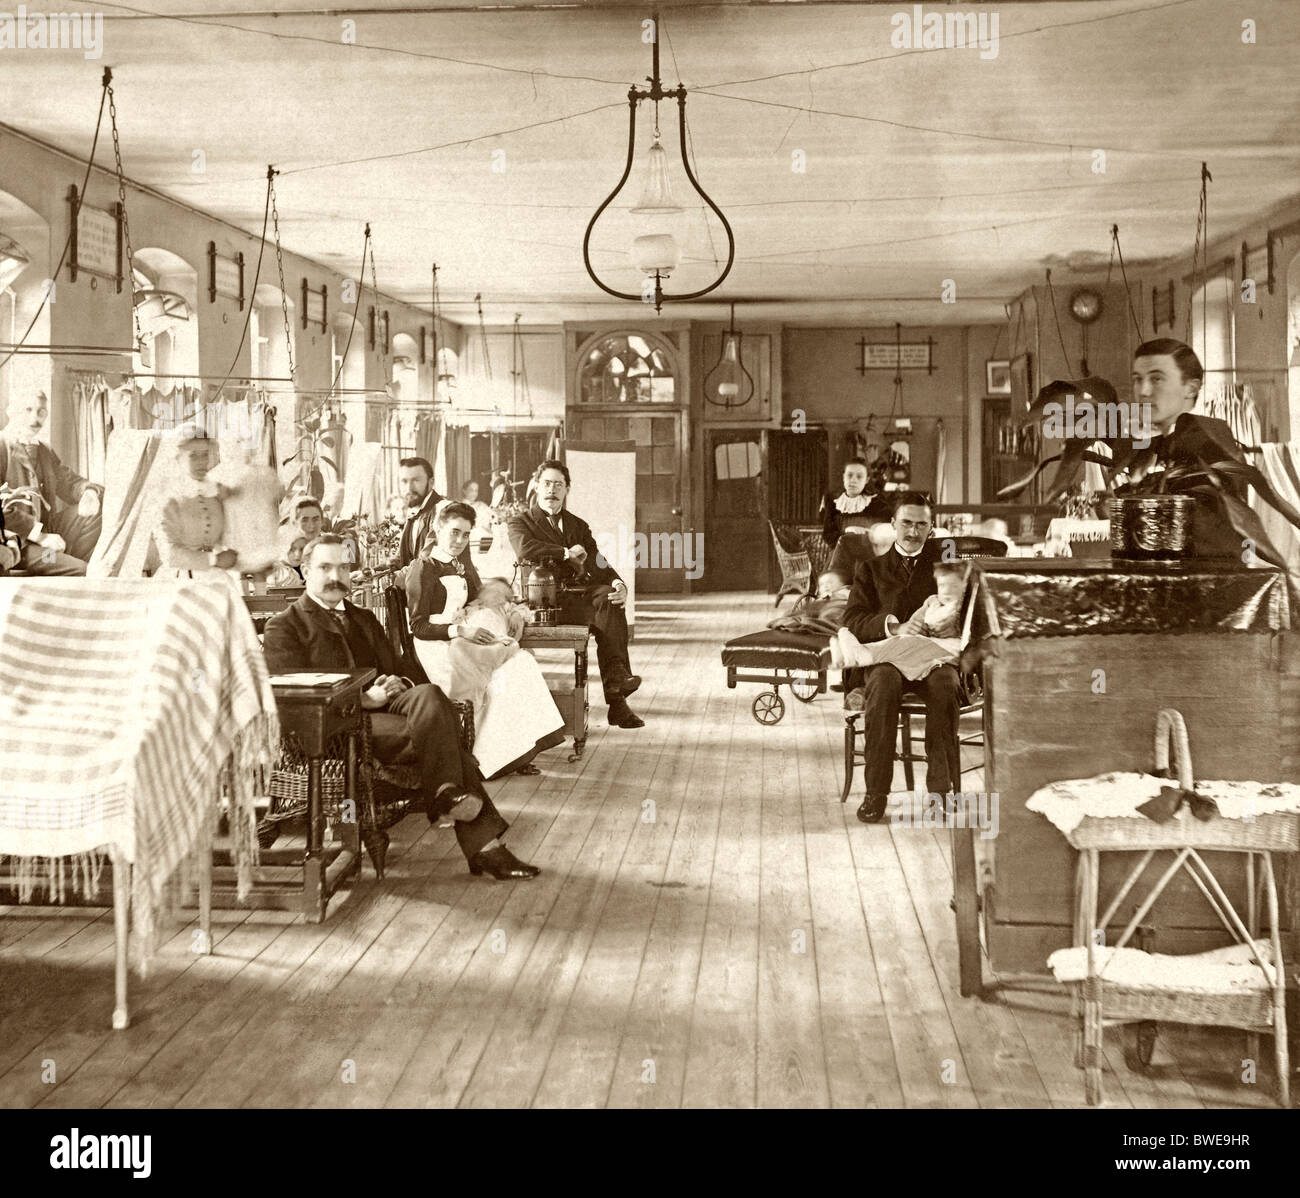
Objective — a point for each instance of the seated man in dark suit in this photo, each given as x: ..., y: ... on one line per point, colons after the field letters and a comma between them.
x: 323, y: 631
x: 595, y: 594
x: 887, y: 590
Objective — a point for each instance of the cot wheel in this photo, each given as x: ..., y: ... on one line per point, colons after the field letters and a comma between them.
x: 803, y: 686
x: 1143, y: 1046
x: 768, y: 708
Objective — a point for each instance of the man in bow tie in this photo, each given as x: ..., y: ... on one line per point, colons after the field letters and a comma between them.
x: 594, y: 593
x: 61, y: 536
x: 322, y: 631
x: 887, y: 591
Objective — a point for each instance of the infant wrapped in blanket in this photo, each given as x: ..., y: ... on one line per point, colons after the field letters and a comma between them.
x: 929, y: 638
x: 494, y: 610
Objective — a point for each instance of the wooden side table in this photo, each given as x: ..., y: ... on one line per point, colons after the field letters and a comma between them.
x: 570, y: 699
x: 314, y: 714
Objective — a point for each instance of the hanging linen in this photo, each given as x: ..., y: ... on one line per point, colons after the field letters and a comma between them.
x: 90, y: 412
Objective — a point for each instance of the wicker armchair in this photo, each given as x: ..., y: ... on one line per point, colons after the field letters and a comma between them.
x: 388, y: 791
x: 796, y: 567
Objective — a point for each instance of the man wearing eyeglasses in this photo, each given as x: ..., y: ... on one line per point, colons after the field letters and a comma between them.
x: 887, y: 590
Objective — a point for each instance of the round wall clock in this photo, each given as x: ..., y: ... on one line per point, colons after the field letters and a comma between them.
x: 1085, y: 305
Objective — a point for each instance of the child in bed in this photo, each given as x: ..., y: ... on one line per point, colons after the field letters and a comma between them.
x: 929, y: 638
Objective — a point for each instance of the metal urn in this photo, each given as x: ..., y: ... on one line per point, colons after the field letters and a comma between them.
x: 543, y: 592
x: 1151, y: 526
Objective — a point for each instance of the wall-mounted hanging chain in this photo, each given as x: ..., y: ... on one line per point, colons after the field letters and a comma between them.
x: 374, y: 290
x: 271, y: 173
x: 897, y: 402
x: 434, y: 308
x: 519, y: 373
x: 121, y: 202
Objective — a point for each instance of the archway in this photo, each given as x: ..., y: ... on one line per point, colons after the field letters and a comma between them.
x: 24, y: 271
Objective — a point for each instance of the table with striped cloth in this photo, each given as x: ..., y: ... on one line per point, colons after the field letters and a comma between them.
x: 122, y: 704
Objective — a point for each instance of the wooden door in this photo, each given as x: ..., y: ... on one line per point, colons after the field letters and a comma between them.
x: 663, y: 555
x: 736, y: 536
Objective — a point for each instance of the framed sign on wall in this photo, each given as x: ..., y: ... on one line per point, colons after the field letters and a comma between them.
x: 892, y: 355
x: 96, y: 242
x: 225, y: 276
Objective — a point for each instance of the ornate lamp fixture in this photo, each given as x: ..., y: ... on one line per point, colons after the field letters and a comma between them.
x: 655, y: 250
x: 729, y: 384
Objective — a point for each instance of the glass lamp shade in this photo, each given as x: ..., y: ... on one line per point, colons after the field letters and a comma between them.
x: 657, y: 194
x: 656, y: 253
x: 728, y: 390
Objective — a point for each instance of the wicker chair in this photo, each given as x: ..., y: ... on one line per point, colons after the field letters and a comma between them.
x: 388, y: 791
x: 796, y: 567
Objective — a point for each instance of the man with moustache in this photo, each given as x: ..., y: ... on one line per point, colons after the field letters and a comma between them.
x: 887, y: 590
x: 322, y: 631
x: 595, y: 595
x: 59, y: 538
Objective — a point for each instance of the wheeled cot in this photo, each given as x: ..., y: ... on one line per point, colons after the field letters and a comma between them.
x: 799, y: 660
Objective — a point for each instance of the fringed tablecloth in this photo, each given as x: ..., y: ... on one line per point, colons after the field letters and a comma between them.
x: 127, y: 708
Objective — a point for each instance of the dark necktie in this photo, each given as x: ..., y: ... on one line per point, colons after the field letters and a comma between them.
x: 340, y: 618
x: 555, y: 523
x: 909, y: 566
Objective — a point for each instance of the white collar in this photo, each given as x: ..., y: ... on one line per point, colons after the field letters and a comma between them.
x: 911, y: 555
x: 439, y: 554
x: 338, y: 607
x: 851, y: 505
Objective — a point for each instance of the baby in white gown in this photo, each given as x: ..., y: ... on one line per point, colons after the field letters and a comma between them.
x: 494, y: 609
x: 930, y: 637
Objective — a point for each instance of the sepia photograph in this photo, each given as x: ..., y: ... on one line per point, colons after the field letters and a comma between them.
x: 611, y: 555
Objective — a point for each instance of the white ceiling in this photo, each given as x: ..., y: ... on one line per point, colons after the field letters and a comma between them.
x: 922, y: 165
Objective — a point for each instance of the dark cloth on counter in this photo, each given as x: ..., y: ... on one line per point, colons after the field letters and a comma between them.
x: 418, y: 727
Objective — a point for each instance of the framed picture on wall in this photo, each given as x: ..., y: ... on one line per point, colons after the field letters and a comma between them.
x: 997, y: 377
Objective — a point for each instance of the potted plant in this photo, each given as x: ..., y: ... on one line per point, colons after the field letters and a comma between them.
x: 1150, y: 503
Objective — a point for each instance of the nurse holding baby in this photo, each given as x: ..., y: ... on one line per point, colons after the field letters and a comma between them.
x: 467, y: 639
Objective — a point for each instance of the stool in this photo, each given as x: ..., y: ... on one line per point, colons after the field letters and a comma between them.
x: 909, y: 710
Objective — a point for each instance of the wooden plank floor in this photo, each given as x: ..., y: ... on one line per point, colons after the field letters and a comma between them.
x: 712, y: 928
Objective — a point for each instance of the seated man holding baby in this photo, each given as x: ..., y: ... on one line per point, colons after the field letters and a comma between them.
x: 900, y: 623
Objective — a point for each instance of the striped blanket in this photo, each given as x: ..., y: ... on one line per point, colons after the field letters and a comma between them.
x: 122, y: 703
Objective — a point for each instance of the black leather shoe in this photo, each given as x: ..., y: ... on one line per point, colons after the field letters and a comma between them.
x: 626, y: 685
x: 449, y: 805
x: 530, y: 770
x: 873, y: 807
x: 622, y: 716
x: 502, y: 864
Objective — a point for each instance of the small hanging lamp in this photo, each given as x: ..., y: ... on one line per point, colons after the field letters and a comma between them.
x: 729, y: 384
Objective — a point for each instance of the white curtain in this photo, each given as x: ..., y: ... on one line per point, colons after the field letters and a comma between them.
x: 604, y: 494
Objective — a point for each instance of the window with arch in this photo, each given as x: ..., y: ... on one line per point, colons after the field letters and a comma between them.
x: 623, y: 368
x: 24, y: 269
x: 166, y: 296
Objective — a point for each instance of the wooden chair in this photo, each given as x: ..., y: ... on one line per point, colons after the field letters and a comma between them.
x: 913, y: 709
x: 796, y: 566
